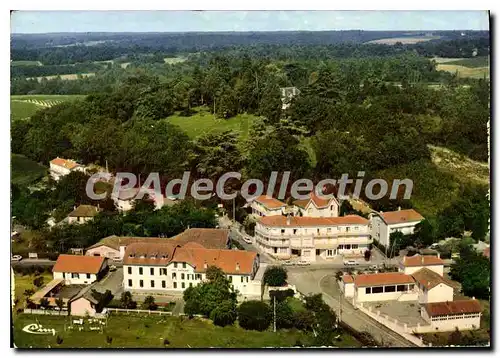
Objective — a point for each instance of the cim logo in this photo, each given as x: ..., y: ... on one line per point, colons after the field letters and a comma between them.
x: 38, y: 329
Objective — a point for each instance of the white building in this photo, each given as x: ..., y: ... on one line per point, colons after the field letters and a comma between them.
x: 389, y: 286
x: 267, y: 206
x: 78, y: 269
x: 308, y: 237
x: 432, y: 287
x: 83, y: 214
x: 158, y: 268
x: 384, y: 223
x: 113, y: 247
x: 60, y: 167
x: 412, y: 264
x: 447, y: 316
x: 287, y: 94
x: 318, y: 207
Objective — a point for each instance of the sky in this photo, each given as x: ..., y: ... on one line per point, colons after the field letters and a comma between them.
x: 184, y: 21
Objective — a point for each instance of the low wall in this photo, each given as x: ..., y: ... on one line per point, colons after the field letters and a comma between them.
x: 396, y: 326
x: 45, y: 312
x: 126, y: 310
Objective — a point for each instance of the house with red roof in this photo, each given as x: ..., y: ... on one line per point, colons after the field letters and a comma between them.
x: 160, y: 267
x: 264, y: 205
x: 60, y: 167
x: 316, y: 206
x: 79, y: 269
x: 306, y: 238
x: 449, y: 315
x: 411, y: 264
x: 383, y: 224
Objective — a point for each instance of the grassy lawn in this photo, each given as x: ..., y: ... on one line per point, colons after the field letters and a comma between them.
x: 144, y: 331
x: 204, y: 122
x: 47, y: 97
x: 24, y: 171
x: 24, y: 106
x: 22, y: 283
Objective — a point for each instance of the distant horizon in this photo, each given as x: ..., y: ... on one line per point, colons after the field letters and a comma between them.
x: 176, y: 21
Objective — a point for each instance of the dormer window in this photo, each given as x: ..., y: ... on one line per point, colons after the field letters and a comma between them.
x: 164, y: 257
x: 131, y: 255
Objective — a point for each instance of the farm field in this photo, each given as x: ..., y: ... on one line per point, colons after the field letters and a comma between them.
x: 68, y: 77
x: 24, y: 106
x: 472, y: 72
x: 24, y: 171
x: 203, y: 122
x: 25, y: 63
x: 473, y: 62
x: 141, y: 331
x: 174, y: 60
x: 403, y: 40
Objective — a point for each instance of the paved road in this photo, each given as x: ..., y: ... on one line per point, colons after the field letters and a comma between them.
x: 29, y: 262
x: 235, y: 235
x: 315, y: 280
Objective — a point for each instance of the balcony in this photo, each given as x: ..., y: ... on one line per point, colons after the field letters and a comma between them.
x: 332, y: 235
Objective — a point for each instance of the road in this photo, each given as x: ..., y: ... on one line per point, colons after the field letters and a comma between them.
x: 312, y: 280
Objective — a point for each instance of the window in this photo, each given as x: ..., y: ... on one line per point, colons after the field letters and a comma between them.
x: 152, y: 271
x: 163, y: 284
x: 247, y: 279
x: 163, y: 271
x: 294, y: 231
x: 379, y: 289
x: 129, y: 283
x: 241, y: 279
x: 175, y: 264
x: 329, y: 252
x: 130, y: 270
x: 347, y: 247
x: 390, y: 289
x: 354, y: 246
x: 140, y: 270
x: 347, y: 229
x: 175, y: 284
x: 190, y: 284
x: 182, y: 276
x: 341, y: 247
x: 183, y: 265
x: 75, y: 275
x: 141, y: 283
x: 368, y: 290
x: 411, y: 286
x: 174, y: 275
x: 402, y: 288
x: 198, y: 276
x: 152, y: 284
x: 88, y: 275
x: 331, y: 207
x: 282, y: 231
x: 183, y: 285
x: 356, y: 228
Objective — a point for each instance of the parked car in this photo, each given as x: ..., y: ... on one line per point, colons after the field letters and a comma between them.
x: 303, y: 263
x: 434, y: 246
x: 16, y: 258
x: 351, y: 263
x: 247, y: 240
x: 373, y: 267
x: 112, y: 268
x: 288, y: 263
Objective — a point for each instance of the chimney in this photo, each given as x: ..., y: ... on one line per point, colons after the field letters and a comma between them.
x: 288, y: 220
x: 237, y: 266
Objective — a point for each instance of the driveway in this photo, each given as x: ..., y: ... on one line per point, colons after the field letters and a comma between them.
x: 315, y: 280
x: 113, y: 281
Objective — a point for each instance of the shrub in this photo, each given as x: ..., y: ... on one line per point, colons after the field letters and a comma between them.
x: 59, y: 340
x: 149, y: 303
x: 166, y: 342
x: 255, y: 315
x: 109, y: 339
x: 368, y: 254
x: 38, y: 281
x: 281, y: 295
x: 275, y: 276
x: 284, y: 315
x: 224, y: 314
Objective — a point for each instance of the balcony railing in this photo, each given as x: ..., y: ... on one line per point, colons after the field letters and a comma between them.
x: 332, y: 235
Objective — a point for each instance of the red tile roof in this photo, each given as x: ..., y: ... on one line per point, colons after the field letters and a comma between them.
x: 302, y: 221
x: 230, y: 261
x: 318, y: 201
x: 207, y: 238
x: 386, y: 278
x: 269, y: 202
x: 401, y: 216
x: 65, y: 163
x: 429, y: 279
x: 453, y: 307
x: 78, y: 264
x: 419, y: 260
x: 347, y: 279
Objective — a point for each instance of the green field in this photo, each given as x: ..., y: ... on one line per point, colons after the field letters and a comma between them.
x: 25, y: 282
x: 463, y: 71
x: 24, y: 106
x: 174, y: 60
x: 204, y: 122
x: 24, y: 171
x: 25, y: 63
x: 473, y: 62
x: 143, y: 331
